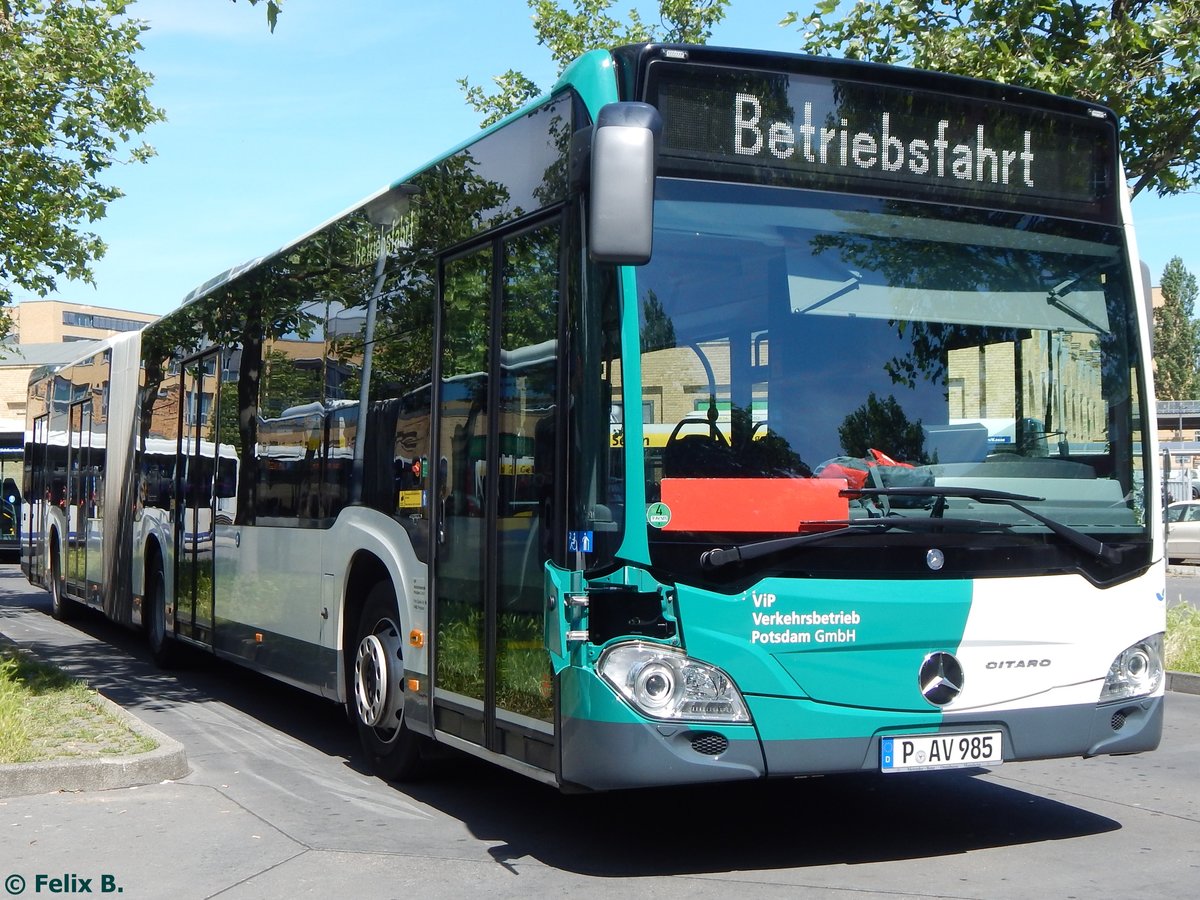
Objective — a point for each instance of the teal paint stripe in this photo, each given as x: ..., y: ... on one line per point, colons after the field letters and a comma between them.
x: 784, y: 719
x: 635, y: 546
x: 594, y: 78
x: 584, y: 695
x: 853, y: 645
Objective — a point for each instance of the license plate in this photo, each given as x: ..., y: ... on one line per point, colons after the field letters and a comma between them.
x: 916, y: 752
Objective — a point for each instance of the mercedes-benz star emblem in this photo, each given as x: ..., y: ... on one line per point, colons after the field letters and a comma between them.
x: 941, y: 678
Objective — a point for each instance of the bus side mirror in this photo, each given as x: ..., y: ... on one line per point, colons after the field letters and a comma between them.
x: 621, y: 201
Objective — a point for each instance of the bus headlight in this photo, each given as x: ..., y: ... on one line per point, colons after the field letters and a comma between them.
x: 663, y: 683
x: 1136, y: 672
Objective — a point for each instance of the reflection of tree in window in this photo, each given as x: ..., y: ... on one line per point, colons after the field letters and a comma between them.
x: 882, y: 425
x: 527, y: 425
x: 658, y: 331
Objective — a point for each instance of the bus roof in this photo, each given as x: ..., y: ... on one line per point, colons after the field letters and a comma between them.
x: 84, y: 351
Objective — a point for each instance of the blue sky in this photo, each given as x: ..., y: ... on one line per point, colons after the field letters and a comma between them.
x: 268, y: 135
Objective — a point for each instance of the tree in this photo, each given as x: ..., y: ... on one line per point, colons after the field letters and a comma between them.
x: 1141, y: 58
x: 72, y: 100
x: 1177, y: 336
x: 571, y: 34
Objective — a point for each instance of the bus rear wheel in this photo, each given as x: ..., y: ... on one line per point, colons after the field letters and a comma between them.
x: 162, y: 645
x: 62, y: 607
x: 376, y: 701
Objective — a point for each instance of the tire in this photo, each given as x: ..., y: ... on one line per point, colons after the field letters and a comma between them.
x: 163, y: 649
x: 62, y: 607
x: 375, y: 695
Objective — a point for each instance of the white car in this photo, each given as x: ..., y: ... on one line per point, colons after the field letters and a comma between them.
x: 1183, y: 530
x: 1184, y: 484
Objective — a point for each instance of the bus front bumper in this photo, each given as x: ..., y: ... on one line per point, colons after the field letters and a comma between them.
x: 793, y: 737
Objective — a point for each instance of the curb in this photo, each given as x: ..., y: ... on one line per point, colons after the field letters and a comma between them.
x: 164, y: 763
x: 1183, y: 682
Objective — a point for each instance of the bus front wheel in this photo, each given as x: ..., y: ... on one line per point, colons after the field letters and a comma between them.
x: 376, y: 701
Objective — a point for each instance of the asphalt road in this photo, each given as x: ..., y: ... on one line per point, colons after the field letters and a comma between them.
x: 1183, y: 585
x: 278, y: 805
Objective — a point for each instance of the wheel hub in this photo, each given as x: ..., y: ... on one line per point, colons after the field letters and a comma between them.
x: 377, y: 669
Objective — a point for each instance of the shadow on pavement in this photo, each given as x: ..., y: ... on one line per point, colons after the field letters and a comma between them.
x: 844, y: 819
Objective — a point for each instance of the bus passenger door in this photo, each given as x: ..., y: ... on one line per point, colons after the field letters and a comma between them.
x: 79, y: 496
x: 460, y: 561
x: 194, y: 519
x: 37, y: 497
x: 496, y: 451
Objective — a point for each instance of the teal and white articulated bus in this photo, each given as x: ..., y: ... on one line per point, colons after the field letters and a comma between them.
x: 722, y: 415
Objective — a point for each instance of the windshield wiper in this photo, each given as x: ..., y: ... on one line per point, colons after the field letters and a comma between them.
x: 714, y: 559
x: 1056, y: 297
x: 1074, y: 537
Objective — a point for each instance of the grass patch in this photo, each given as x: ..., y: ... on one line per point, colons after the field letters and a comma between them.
x: 46, y: 714
x: 1183, y: 638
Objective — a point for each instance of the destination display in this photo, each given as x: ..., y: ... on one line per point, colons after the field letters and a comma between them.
x: 833, y: 134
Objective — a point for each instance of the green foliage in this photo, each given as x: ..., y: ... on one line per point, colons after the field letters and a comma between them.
x: 569, y: 34
x: 273, y: 9
x: 1177, y: 336
x: 513, y: 90
x: 71, y: 102
x: 1183, y: 639
x: 1140, y: 58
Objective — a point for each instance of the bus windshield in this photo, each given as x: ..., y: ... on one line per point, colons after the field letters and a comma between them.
x: 799, y: 345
